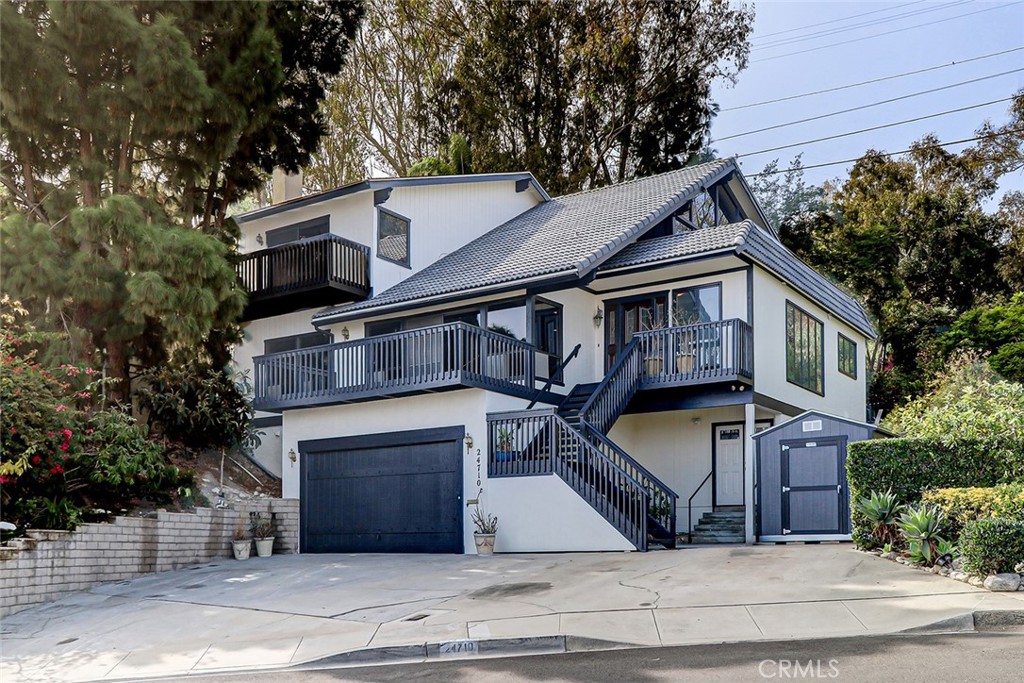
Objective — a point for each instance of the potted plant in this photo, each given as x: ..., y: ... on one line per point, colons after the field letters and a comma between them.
x: 503, y: 450
x: 241, y: 544
x: 263, y: 533
x: 486, y: 528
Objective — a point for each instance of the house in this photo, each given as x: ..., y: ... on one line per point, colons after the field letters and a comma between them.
x: 589, y: 368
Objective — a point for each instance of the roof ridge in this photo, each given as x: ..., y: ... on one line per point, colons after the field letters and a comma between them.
x: 637, y: 179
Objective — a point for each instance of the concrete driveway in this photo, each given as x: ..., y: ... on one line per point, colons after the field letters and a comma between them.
x: 291, y: 609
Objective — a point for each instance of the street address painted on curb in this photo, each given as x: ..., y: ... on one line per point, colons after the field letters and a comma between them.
x: 458, y: 648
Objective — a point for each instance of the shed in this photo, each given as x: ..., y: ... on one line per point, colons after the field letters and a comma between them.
x: 801, y: 492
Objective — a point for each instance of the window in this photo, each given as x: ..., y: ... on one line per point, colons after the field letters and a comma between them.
x: 847, y: 356
x: 299, y: 231
x: 805, y: 341
x: 694, y: 305
x: 295, y: 342
x: 392, y: 237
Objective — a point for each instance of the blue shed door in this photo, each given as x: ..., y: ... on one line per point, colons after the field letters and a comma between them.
x: 813, y: 487
x: 385, y: 493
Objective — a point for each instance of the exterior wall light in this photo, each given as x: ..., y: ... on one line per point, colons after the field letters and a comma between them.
x: 344, y: 333
x: 598, y: 317
x: 468, y: 441
x: 292, y: 456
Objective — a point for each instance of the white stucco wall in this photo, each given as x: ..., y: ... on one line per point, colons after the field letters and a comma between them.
x: 844, y: 396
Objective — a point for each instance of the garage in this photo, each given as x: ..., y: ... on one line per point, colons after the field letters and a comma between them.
x: 801, y: 477
x: 398, y: 492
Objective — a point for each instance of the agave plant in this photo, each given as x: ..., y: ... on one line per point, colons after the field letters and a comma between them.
x: 882, y: 510
x: 921, y: 526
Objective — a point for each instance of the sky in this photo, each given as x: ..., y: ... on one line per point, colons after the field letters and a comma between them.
x: 881, y: 39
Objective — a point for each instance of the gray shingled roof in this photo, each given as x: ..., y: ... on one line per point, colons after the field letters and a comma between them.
x: 680, y: 245
x: 568, y: 235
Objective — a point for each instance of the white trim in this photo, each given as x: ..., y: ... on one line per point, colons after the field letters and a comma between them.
x: 797, y: 538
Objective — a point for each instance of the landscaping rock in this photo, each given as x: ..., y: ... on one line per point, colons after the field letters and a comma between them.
x: 956, y: 564
x: 959, y: 575
x: 891, y: 555
x: 945, y: 571
x: 1002, y: 582
x: 936, y: 569
x: 976, y: 581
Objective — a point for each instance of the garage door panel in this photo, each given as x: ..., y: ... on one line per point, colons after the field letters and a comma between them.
x: 385, y: 497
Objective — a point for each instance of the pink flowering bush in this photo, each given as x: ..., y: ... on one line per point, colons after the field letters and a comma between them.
x: 61, y: 455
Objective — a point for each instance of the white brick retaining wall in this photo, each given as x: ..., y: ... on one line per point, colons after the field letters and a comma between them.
x: 48, y: 564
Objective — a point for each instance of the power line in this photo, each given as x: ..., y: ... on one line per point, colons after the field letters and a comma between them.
x: 870, y: 105
x: 890, y: 154
x: 874, y: 80
x: 885, y: 33
x: 852, y: 27
x: 834, y: 21
x: 873, y: 128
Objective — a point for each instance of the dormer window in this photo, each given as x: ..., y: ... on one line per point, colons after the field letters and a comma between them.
x: 392, y: 237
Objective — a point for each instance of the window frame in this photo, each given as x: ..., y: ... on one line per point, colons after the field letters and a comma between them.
x: 853, y: 355
x: 793, y: 376
x: 679, y: 290
x: 324, y: 335
x: 407, y: 263
x: 322, y: 225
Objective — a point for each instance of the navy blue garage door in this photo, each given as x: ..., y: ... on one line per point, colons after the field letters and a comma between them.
x: 399, y: 492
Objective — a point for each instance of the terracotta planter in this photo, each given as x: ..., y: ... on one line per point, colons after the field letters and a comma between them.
x: 684, y: 363
x: 653, y: 367
x: 241, y: 549
x: 484, y: 543
x: 264, y: 546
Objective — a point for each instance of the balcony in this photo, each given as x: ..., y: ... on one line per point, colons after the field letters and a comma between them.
x: 704, y: 353
x: 320, y: 271
x: 430, y: 359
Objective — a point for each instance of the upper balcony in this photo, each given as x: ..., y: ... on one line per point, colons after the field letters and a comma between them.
x: 319, y: 271
x: 430, y: 359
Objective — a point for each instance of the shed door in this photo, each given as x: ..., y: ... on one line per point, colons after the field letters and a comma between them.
x: 812, y: 487
x: 397, y: 492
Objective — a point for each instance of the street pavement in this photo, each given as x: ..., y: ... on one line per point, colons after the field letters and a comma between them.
x: 287, y: 610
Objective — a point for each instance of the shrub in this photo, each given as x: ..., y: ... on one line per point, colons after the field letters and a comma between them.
x: 921, y: 527
x: 909, y: 467
x: 992, y: 546
x: 964, y: 505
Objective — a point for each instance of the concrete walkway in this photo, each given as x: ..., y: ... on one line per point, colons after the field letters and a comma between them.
x: 289, y: 609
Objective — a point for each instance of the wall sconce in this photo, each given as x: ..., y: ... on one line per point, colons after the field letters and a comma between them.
x: 598, y: 317
x: 292, y: 456
x: 695, y: 420
x: 259, y: 238
x: 468, y: 441
x: 344, y: 333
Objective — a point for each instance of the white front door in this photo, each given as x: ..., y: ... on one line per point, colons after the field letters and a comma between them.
x: 729, y: 465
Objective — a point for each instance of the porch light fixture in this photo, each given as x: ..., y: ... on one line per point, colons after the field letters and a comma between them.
x: 468, y: 441
x: 292, y: 456
x: 259, y: 238
x: 598, y: 317
x: 344, y: 333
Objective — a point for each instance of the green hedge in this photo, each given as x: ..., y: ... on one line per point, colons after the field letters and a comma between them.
x: 964, y: 505
x: 991, y: 546
x: 909, y: 467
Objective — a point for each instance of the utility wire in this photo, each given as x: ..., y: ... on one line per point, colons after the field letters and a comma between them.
x: 884, y: 33
x: 874, y: 80
x: 853, y: 27
x: 835, y: 21
x: 890, y: 154
x: 873, y: 128
x: 870, y: 105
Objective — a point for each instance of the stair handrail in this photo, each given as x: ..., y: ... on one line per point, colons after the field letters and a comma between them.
x: 636, y: 530
x: 551, y: 380
x: 654, y: 485
x: 689, y: 506
x: 625, y: 369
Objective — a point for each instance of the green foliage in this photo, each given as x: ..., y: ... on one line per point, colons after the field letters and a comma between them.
x: 456, y: 159
x: 787, y: 199
x: 964, y: 505
x: 909, y: 467
x: 996, y: 329
x: 921, y: 526
x: 968, y: 403
x: 260, y: 526
x: 991, y: 546
x: 882, y: 511
x: 60, y: 458
x: 198, y: 406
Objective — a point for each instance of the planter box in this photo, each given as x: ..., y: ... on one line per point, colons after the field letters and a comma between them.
x: 264, y: 546
x: 484, y: 543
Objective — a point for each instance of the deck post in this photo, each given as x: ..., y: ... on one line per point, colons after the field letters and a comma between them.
x: 748, y: 471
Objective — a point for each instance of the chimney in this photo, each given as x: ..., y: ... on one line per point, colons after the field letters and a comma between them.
x: 285, y: 186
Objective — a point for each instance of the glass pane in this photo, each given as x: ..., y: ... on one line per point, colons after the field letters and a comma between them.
x: 392, y: 237
x: 697, y: 305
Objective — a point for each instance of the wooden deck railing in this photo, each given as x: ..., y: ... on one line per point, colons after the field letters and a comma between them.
x: 695, y: 354
x: 392, y: 364
x: 316, y: 262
